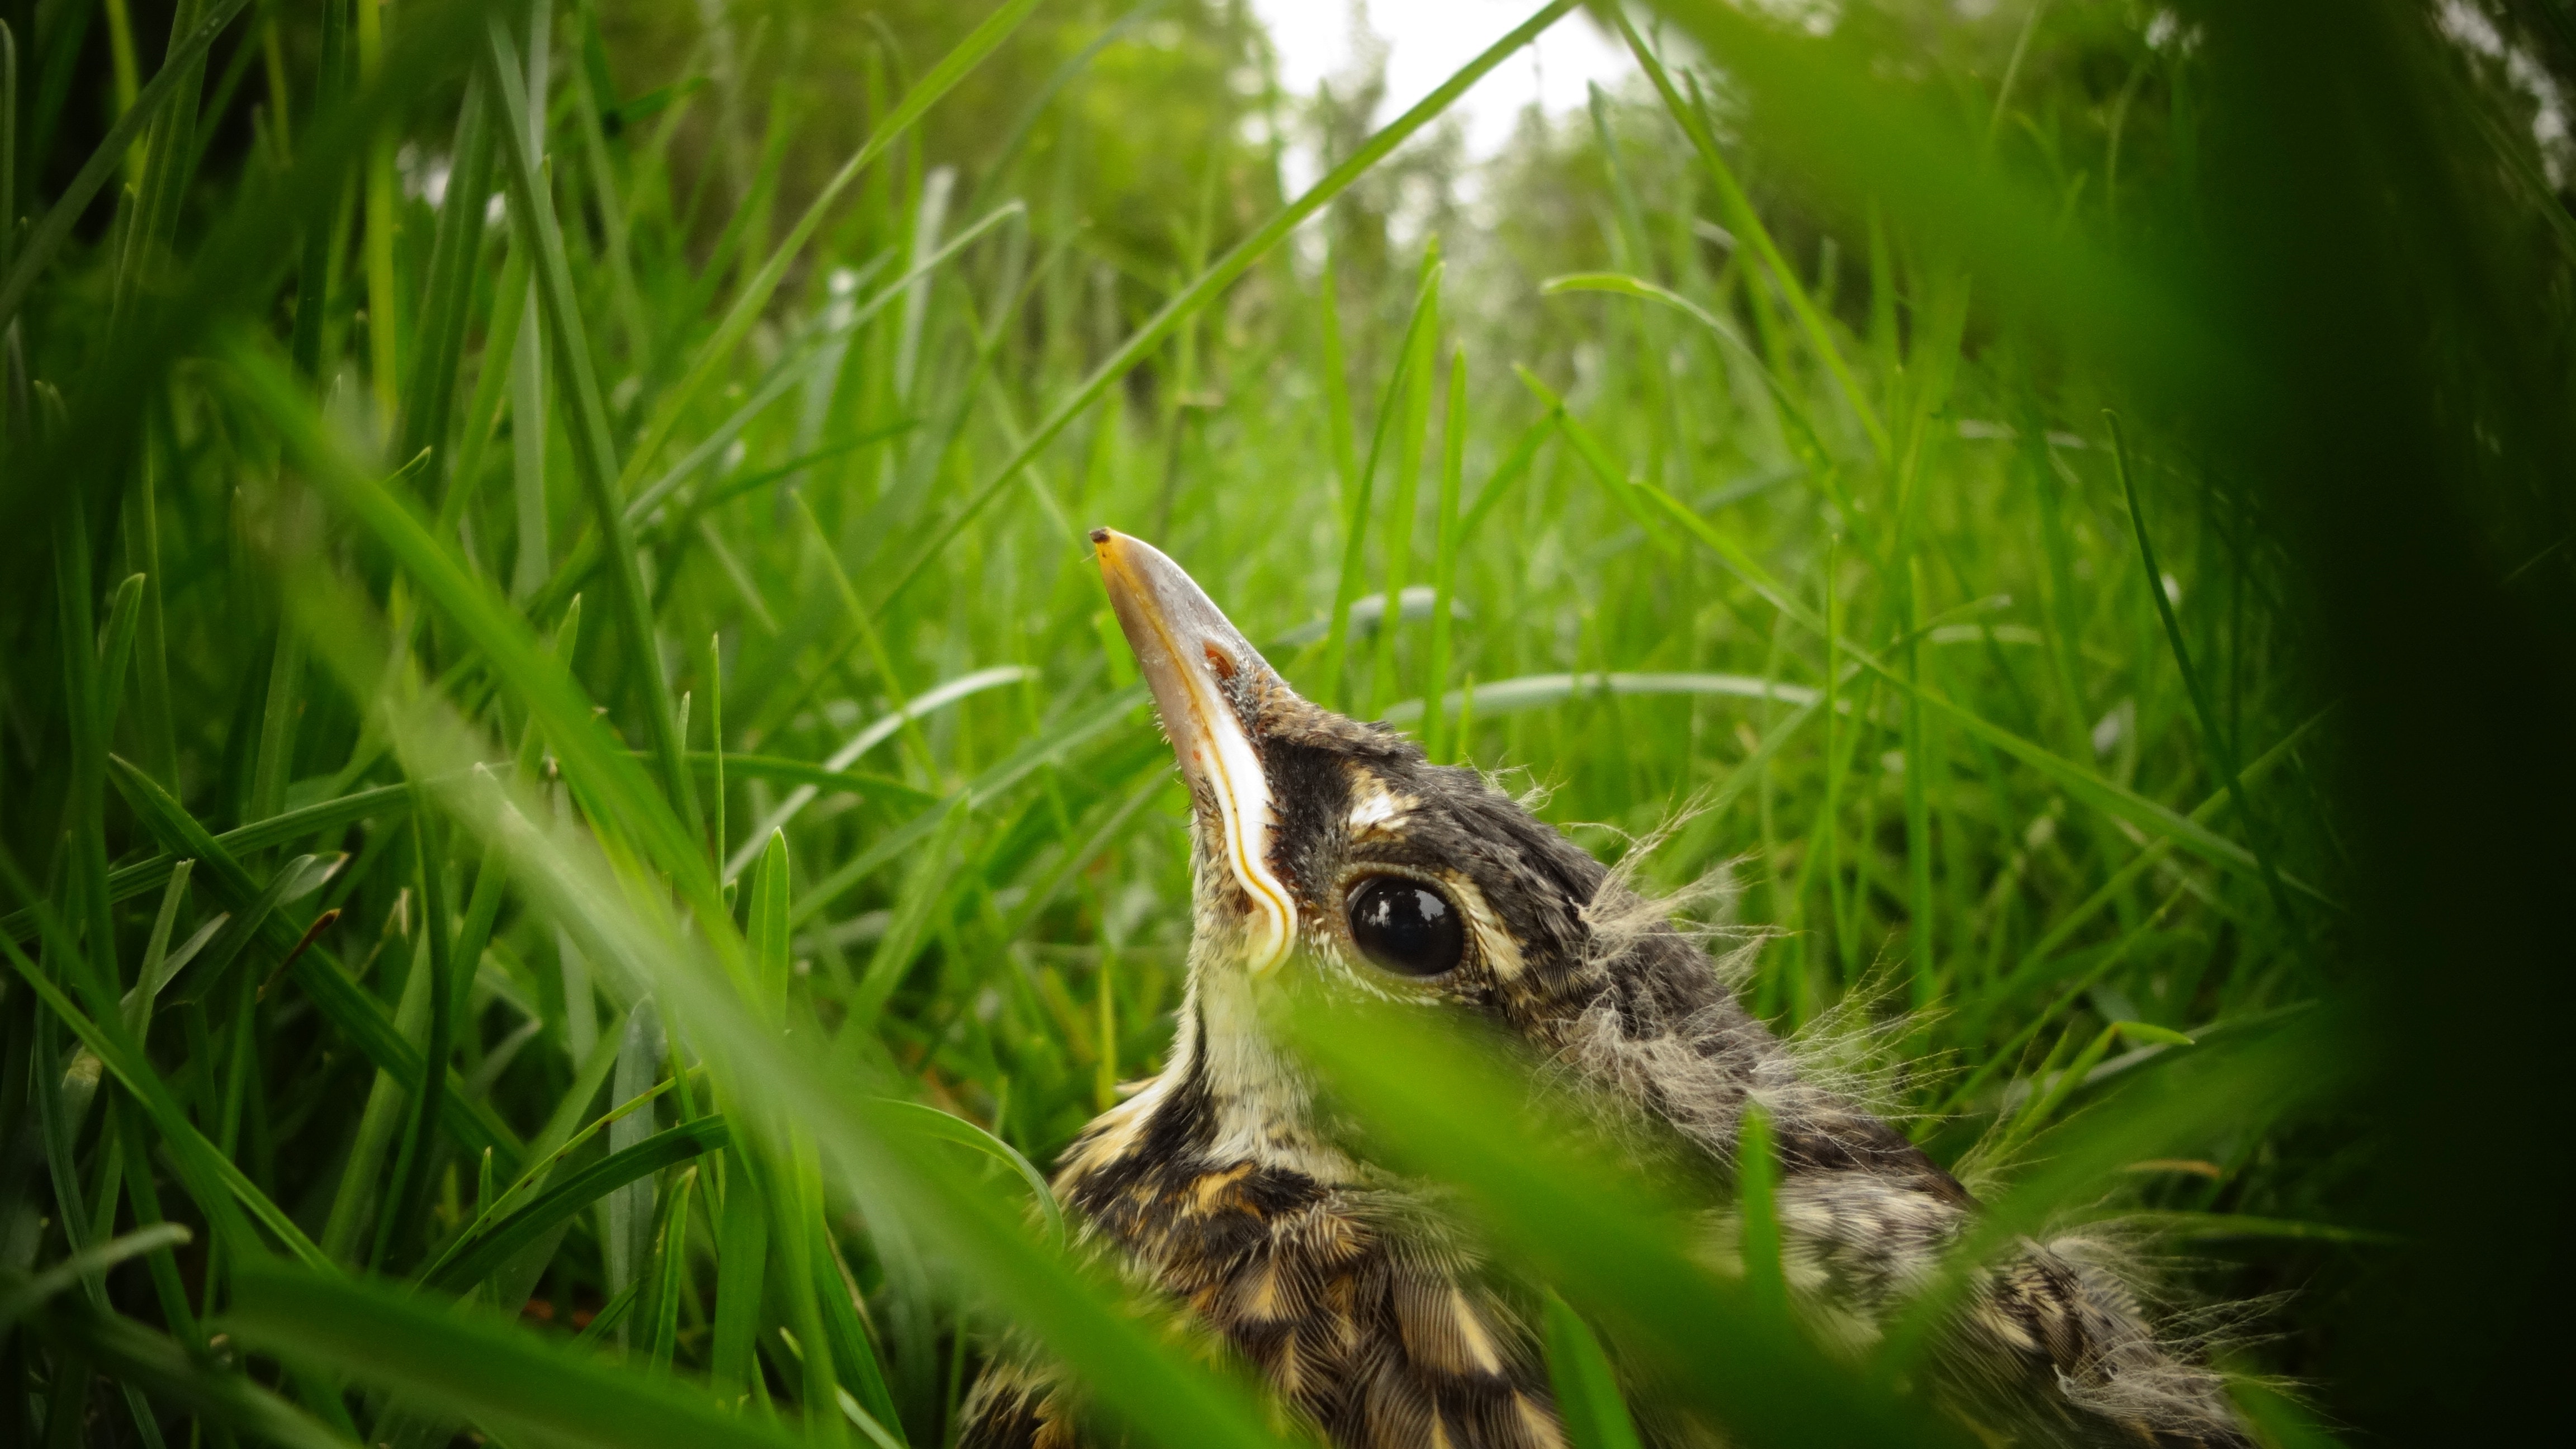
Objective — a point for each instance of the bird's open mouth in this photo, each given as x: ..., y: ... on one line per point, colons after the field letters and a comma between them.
x: 1188, y: 651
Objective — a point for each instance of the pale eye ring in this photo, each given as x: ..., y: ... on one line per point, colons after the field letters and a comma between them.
x: 1406, y: 927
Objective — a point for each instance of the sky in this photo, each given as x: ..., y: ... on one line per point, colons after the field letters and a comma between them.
x: 1429, y: 40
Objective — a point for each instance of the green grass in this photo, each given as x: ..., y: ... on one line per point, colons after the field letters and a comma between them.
x: 578, y: 764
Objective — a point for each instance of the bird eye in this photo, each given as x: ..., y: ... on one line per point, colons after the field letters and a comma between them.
x: 1406, y: 927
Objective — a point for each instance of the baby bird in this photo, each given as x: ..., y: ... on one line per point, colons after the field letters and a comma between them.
x: 1336, y: 846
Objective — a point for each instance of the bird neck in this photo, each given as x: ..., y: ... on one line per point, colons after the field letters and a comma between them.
x: 1229, y: 1096
x: 1257, y: 1103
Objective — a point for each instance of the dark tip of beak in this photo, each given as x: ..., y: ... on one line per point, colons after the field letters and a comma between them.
x: 1169, y: 620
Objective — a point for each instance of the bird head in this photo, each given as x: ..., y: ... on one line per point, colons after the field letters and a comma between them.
x: 1332, y: 853
x: 1333, y: 849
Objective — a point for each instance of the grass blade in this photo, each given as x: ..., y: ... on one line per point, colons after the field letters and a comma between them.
x: 594, y: 455
x: 876, y: 733
x: 430, y: 401
x: 212, y: 1180
x: 1444, y: 559
x: 27, y: 1295
x: 1412, y: 429
x: 469, y: 1263
x: 1540, y: 691
x: 1355, y: 501
x: 352, y: 1011
x: 384, y: 802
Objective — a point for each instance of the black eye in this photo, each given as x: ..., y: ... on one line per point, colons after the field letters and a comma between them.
x: 1406, y: 927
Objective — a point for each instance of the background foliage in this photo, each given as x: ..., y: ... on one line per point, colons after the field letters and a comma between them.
x: 546, y: 541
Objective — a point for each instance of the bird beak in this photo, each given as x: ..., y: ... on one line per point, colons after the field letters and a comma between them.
x: 1188, y: 651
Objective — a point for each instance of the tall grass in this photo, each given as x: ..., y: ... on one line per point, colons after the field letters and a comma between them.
x: 563, y: 755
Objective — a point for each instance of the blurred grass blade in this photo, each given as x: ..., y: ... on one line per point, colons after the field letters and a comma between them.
x: 2262, y: 1078
x: 178, y: 67
x: 1143, y: 1381
x: 1135, y: 1375
x: 1210, y: 284
x: 237, y: 262
x: 1840, y: 125
x: 1587, y: 1391
x: 486, y: 1370
x: 177, y: 1374
x: 1427, y: 1096
x: 1757, y: 1192
x: 1539, y: 691
x: 19, y: 1299
x: 544, y: 681
x: 754, y: 297
x: 1748, y: 226
x: 930, y: 1122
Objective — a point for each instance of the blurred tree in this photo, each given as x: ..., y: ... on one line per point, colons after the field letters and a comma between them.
x: 1098, y: 138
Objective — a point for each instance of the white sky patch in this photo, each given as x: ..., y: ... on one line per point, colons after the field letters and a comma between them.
x: 1427, y: 42
x: 2470, y: 28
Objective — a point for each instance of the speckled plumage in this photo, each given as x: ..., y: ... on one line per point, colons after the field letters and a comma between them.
x: 1219, y: 1185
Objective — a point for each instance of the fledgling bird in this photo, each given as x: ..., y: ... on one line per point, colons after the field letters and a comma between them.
x: 1337, y: 845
